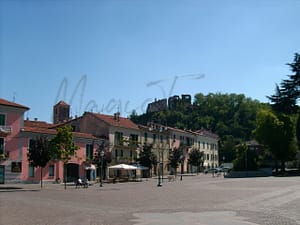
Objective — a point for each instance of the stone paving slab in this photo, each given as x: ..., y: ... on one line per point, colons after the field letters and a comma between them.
x: 199, y: 200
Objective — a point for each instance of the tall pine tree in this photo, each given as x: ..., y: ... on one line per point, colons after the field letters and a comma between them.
x: 287, y: 94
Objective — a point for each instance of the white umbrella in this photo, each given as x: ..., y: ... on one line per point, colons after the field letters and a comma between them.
x: 140, y: 167
x: 123, y: 167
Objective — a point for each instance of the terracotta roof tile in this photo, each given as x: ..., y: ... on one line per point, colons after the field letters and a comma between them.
x: 41, y: 124
x: 41, y: 130
x: 12, y: 104
x: 116, y: 121
x: 45, y: 128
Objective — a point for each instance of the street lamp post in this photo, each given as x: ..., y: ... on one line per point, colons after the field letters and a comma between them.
x: 159, y: 169
x: 101, y: 167
x: 181, y: 165
x: 101, y: 154
x: 224, y: 172
x: 246, y: 162
x: 213, y: 155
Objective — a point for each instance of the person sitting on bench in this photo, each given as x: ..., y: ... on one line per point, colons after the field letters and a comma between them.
x: 79, y: 182
x: 85, y: 183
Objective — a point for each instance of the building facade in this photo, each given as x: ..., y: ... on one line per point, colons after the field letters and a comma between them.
x: 120, y: 138
x: 165, y: 139
x: 11, y: 155
x: 16, y: 137
x: 120, y: 135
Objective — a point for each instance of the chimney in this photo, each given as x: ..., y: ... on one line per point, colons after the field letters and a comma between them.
x: 117, y: 116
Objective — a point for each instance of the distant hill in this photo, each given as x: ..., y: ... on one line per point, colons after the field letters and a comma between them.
x: 231, y: 116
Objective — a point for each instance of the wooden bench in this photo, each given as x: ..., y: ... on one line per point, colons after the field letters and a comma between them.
x: 81, y: 183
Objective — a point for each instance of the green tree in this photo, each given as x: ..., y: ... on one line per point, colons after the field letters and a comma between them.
x: 102, y: 163
x: 39, y: 154
x: 246, y: 159
x: 196, y: 158
x: 146, y: 157
x: 286, y: 95
x: 63, y: 147
x: 227, y: 146
x: 277, y: 134
x: 298, y: 130
x: 175, y: 158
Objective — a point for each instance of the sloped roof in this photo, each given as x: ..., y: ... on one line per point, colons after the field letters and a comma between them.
x: 180, y: 130
x: 46, y: 128
x: 202, y: 132
x: 40, y: 124
x: 41, y: 130
x: 116, y: 121
x: 12, y: 104
x: 64, y: 123
x: 207, y: 133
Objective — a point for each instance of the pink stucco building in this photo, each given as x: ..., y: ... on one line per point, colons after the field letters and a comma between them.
x: 16, y: 135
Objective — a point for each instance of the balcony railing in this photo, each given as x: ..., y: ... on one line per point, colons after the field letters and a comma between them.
x: 5, y: 130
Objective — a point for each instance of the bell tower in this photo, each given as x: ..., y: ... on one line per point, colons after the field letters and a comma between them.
x: 61, y: 112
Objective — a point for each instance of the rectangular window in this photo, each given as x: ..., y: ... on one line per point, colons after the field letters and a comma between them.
x: 118, y: 138
x: 188, y: 141
x: 1, y: 146
x: 133, y: 139
x: 31, y: 171
x: 154, y: 138
x: 89, y: 151
x: 16, y: 167
x: 31, y: 143
x: 2, y: 120
x: 116, y: 153
x: 207, y: 156
x: 51, y: 171
x: 121, y: 153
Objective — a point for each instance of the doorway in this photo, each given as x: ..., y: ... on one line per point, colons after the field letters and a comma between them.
x: 72, y: 172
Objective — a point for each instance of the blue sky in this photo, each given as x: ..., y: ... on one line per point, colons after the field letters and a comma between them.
x: 122, y: 54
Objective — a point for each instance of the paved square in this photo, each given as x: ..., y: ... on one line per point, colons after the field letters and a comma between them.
x: 197, y: 200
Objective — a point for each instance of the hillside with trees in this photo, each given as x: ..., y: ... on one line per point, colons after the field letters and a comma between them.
x: 231, y: 116
x: 234, y: 117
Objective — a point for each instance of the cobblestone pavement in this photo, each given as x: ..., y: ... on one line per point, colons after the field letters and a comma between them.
x: 196, y: 200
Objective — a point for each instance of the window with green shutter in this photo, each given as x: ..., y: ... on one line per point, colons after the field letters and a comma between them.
x: 1, y: 146
x: 2, y: 120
